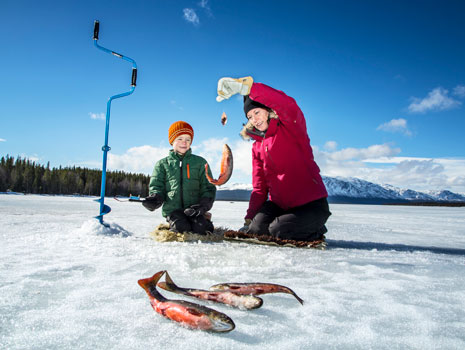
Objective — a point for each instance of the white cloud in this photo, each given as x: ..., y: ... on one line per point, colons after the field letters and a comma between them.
x: 377, y: 163
x: 373, y: 151
x: 206, y: 6
x: 98, y: 116
x: 190, y: 16
x: 396, y: 125
x: 139, y: 159
x: 437, y: 99
x: 142, y: 159
x: 330, y: 145
x: 2, y: 140
x: 421, y: 174
x: 459, y: 91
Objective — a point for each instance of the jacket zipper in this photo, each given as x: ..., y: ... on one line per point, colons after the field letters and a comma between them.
x: 182, y: 198
x: 269, y: 156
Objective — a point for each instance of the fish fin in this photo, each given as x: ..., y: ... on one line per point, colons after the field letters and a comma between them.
x: 169, y: 284
x: 151, y: 282
x: 164, y: 286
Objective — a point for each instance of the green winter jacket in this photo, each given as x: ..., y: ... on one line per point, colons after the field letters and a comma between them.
x: 181, y: 181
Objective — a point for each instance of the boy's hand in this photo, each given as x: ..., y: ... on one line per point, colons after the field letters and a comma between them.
x: 230, y: 86
x: 195, y: 210
x: 152, y: 202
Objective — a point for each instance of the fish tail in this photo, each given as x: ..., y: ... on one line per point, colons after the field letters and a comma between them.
x: 150, y: 285
x: 290, y: 291
x: 170, y: 286
x: 300, y: 300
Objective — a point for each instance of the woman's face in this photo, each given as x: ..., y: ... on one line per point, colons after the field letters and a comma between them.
x: 182, y: 143
x: 259, y: 118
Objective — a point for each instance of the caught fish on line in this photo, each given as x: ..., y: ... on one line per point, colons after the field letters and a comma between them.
x: 188, y: 314
x: 255, y: 289
x: 226, y: 168
x: 240, y: 301
x: 224, y: 118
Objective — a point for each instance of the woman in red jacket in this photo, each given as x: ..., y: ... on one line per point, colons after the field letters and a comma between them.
x: 289, y: 198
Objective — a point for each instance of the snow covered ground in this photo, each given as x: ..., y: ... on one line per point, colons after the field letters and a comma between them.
x: 66, y: 282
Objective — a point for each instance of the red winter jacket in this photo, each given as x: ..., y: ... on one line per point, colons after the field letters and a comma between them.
x: 283, y: 167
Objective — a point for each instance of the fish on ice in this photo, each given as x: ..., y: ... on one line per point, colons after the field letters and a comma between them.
x: 240, y: 301
x: 188, y: 314
x: 254, y: 289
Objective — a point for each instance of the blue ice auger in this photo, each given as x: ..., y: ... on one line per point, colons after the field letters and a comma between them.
x: 105, y: 209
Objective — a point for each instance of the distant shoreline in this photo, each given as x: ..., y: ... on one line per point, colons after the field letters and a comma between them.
x: 431, y: 204
x: 331, y: 200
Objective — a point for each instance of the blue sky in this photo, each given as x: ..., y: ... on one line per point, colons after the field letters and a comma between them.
x: 381, y: 83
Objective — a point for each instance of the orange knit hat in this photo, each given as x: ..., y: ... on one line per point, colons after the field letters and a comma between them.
x: 179, y: 128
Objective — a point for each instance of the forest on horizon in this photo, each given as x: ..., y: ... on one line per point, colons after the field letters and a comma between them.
x: 26, y: 176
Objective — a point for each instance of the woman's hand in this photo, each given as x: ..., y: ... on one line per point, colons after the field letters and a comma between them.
x: 230, y: 86
x: 245, y: 228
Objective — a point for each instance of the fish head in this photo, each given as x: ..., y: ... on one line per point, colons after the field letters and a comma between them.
x: 221, y: 322
x: 251, y: 302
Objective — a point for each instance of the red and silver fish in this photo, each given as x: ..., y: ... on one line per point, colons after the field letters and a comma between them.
x: 189, y: 314
x: 225, y: 170
x: 247, y: 302
x: 254, y: 289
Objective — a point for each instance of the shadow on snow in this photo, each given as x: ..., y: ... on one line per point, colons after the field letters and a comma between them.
x: 334, y: 244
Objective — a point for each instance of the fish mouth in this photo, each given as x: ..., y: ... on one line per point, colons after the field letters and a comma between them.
x: 221, y: 324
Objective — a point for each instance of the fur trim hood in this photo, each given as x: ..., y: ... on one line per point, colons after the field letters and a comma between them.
x: 249, y: 128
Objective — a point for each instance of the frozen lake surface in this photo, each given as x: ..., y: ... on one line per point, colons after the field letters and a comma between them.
x: 391, y: 278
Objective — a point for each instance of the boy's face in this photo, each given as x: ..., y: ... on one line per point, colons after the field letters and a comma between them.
x: 182, y: 143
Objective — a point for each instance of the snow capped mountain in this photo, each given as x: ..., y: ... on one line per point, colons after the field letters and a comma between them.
x: 353, y: 190
x: 236, y: 186
x: 446, y: 196
x: 361, y: 189
x: 356, y: 188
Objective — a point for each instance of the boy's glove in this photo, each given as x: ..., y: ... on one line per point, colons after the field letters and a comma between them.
x: 204, y: 205
x: 230, y: 86
x: 245, y: 228
x: 152, y: 202
x: 195, y: 210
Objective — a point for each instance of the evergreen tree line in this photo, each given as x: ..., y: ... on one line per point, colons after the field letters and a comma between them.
x: 23, y: 175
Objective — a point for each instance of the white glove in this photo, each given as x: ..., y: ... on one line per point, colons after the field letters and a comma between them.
x: 230, y: 86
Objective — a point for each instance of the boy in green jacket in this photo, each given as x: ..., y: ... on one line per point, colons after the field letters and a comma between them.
x: 179, y: 183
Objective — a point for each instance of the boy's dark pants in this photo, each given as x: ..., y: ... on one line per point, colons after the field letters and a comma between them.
x: 303, y: 223
x: 180, y: 222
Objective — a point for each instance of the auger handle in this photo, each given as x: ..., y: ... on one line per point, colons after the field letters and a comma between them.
x: 96, y: 29
x: 134, y: 76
